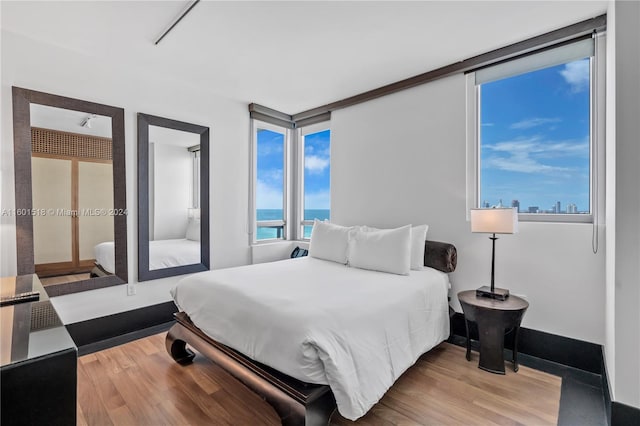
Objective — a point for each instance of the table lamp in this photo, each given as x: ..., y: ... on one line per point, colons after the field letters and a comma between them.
x: 494, y: 221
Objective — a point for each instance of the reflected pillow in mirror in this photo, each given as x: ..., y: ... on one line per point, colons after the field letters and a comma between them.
x: 193, y: 230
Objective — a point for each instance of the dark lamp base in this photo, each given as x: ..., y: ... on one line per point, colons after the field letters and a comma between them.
x: 497, y: 293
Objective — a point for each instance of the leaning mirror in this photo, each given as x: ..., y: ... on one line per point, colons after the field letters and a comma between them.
x: 173, y: 197
x: 70, y: 192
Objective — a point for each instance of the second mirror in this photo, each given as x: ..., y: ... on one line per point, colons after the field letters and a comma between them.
x: 173, y: 197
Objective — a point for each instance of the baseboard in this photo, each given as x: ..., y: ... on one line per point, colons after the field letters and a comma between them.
x: 606, y: 389
x: 574, y: 353
x: 618, y: 414
x: 88, y: 334
x: 122, y: 339
x: 624, y: 415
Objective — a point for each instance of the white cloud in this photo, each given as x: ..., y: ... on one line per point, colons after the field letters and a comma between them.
x: 527, y: 155
x: 266, y: 149
x: 533, y: 122
x: 268, y: 196
x: 315, y: 164
x: 317, y: 200
x: 271, y: 176
x: 576, y: 74
x: 523, y: 164
x: 488, y: 124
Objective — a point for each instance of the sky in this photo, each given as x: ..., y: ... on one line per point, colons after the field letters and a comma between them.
x: 270, y: 176
x: 535, y: 138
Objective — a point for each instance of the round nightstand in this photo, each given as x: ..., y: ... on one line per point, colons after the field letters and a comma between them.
x: 494, y: 318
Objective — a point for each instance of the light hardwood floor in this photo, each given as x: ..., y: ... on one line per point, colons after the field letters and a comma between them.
x: 139, y: 384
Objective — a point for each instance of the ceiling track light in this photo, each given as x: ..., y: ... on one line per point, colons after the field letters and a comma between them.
x: 178, y: 19
x: 87, y: 121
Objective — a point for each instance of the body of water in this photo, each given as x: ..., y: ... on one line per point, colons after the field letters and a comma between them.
x: 265, y: 233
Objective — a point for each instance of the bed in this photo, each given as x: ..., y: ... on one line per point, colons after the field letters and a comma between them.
x: 162, y: 254
x: 307, y: 334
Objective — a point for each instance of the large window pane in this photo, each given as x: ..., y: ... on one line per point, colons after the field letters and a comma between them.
x: 535, y: 140
x: 270, y: 183
x: 317, y: 168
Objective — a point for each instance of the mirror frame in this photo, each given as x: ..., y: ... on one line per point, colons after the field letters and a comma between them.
x: 144, y: 273
x: 22, y: 99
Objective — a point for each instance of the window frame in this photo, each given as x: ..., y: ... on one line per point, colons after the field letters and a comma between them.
x: 286, y: 198
x: 300, y: 146
x: 293, y: 183
x: 596, y: 145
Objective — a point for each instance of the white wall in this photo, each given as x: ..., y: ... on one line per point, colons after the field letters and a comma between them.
x: 401, y: 159
x: 38, y: 66
x: 172, y: 189
x: 625, y: 289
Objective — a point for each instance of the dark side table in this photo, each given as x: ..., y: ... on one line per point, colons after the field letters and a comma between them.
x: 38, y: 360
x: 494, y: 318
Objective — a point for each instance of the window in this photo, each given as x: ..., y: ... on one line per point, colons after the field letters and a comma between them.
x: 316, y: 199
x: 290, y: 187
x: 270, y: 211
x: 532, y: 122
x: 195, y: 177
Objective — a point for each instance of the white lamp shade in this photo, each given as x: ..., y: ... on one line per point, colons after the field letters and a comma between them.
x: 494, y: 221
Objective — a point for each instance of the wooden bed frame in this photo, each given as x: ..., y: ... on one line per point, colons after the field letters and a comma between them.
x: 297, y: 403
x: 99, y: 271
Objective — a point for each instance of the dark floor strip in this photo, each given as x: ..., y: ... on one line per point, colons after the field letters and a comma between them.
x: 125, y: 338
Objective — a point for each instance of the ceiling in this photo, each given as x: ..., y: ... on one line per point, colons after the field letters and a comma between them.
x: 68, y: 120
x: 291, y: 55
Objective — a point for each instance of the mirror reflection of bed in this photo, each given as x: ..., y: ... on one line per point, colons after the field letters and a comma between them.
x: 72, y: 191
x: 174, y: 198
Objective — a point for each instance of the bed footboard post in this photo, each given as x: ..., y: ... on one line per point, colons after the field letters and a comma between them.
x: 177, y: 348
x: 319, y: 412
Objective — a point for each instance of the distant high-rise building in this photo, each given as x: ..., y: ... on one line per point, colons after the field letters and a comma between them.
x: 500, y: 205
x: 486, y: 204
x: 572, y: 208
x: 533, y: 209
x: 558, y: 208
x: 516, y: 204
x: 553, y: 209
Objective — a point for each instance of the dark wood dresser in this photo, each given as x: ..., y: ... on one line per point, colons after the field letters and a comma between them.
x: 38, y: 360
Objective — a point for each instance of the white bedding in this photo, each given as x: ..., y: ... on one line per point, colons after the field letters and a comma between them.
x: 170, y: 253
x: 162, y: 254
x: 105, y: 256
x: 323, y: 322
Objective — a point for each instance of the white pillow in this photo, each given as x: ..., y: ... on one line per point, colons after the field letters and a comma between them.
x: 418, y: 237
x: 386, y: 250
x: 329, y: 241
x: 193, y: 230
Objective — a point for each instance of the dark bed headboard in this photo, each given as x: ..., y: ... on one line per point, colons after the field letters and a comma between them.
x: 440, y: 256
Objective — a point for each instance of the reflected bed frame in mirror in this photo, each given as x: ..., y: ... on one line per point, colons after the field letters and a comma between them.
x: 22, y: 100
x: 144, y: 273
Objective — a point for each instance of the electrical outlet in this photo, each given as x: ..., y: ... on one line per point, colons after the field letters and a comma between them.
x: 131, y: 289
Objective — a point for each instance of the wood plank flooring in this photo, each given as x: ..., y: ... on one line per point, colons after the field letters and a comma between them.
x: 139, y: 384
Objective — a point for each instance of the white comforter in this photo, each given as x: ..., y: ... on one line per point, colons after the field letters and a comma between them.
x: 323, y: 322
x: 162, y: 254
x: 170, y: 253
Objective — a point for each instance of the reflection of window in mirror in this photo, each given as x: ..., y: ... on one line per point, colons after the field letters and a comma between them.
x: 174, y: 198
x: 72, y: 193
